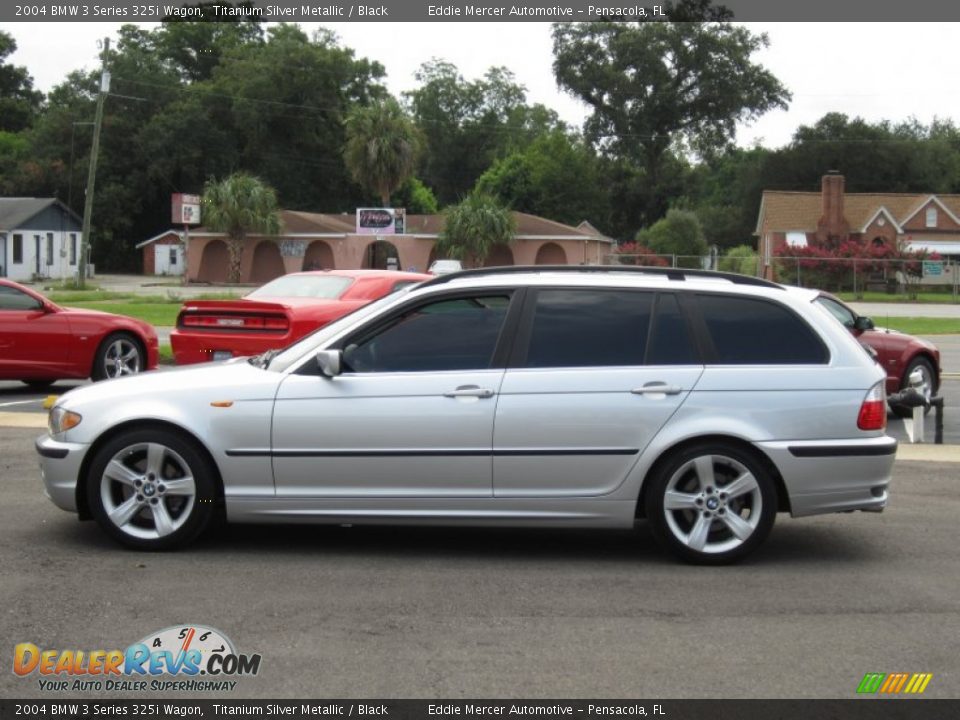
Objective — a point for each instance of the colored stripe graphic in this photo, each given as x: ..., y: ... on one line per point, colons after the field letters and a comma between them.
x: 894, y: 683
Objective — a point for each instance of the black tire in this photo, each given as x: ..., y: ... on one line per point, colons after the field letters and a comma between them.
x: 119, y: 354
x: 149, y: 489
x: 699, y: 525
x: 924, y: 365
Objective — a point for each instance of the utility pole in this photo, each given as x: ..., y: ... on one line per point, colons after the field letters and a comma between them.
x: 92, y: 173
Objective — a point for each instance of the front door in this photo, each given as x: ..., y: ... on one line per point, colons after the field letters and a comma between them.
x: 411, y: 415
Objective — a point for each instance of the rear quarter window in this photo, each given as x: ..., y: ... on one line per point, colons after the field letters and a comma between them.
x: 756, y: 331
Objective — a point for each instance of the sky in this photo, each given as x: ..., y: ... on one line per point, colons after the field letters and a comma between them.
x: 877, y: 71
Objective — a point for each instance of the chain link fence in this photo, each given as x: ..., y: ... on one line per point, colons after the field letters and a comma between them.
x: 860, y: 276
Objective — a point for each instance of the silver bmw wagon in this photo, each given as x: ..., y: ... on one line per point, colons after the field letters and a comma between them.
x: 704, y: 403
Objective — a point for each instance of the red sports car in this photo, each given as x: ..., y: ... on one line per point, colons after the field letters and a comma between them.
x: 41, y: 342
x: 279, y: 313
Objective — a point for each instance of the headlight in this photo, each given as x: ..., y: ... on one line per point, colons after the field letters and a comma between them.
x: 61, y: 420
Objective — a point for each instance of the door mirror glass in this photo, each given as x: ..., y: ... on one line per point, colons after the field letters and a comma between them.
x: 328, y: 362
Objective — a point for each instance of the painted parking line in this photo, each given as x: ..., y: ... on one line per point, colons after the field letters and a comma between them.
x: 22, y: 402
x: 23, y: 420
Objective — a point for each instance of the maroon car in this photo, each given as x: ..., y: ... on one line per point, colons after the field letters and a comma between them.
x: 899, y: 354
x: 279, y: 313
x: 42, y: 342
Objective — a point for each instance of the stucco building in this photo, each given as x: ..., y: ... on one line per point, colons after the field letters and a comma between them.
x: 318, y: 241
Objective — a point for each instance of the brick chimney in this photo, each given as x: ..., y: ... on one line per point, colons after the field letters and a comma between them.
x: 832, y: 228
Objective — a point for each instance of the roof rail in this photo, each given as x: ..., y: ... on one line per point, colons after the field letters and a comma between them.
x: 670, y: 273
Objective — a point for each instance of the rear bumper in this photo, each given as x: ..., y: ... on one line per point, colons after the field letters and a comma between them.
x: 826, y: 476
x: 194, y: 347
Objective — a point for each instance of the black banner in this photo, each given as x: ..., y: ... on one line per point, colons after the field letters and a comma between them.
x: 133, y: 11
x: 854, y: 709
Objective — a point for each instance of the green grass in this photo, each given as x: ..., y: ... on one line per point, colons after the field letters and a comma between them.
x: 166, y: 354
x: 154, y: 309
x: 922, y: 297
x: 920, y: 325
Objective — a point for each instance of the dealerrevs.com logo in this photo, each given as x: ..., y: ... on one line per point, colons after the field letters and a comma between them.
x: 181, y: 657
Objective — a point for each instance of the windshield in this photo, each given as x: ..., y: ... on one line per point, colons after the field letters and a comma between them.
x: 314, y: 340
x: 304, y: 286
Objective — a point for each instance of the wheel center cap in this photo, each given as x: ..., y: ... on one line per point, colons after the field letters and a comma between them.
x: 148, y: 489
x: 712, y: 503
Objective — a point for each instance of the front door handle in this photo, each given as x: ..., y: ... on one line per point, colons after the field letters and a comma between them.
x: 657, y: 388
x: 469, y: 391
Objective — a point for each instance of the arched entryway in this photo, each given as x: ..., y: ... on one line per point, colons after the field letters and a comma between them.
x: 500, y: 255
x: 319, y: 256
x: 378, y: 253
x: 214, y: 262
x: 267, y: 262
x: 551, y: 254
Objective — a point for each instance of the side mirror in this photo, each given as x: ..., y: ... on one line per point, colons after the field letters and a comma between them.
x: 863, y: 323
x: 329, y: 362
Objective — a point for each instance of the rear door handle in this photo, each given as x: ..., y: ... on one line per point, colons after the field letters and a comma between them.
x: 657, y: 388
x: 469, y: 391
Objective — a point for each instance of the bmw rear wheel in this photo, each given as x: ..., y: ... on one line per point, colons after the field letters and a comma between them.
x: 711, y: 503
x: 151, y: 489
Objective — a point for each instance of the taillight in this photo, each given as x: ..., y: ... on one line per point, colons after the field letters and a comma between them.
x: 873, y: 410
x: 235, y: 322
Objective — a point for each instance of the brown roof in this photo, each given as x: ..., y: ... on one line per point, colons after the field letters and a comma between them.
x: 786, y: 211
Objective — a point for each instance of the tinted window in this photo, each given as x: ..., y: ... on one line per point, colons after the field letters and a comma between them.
x: 670, y: 339
x: 13, y: 299
x: 458, y: 334
x: 750, y: 331
x: 840, y: 312
x: 304, y: 286
x: 589, y: 328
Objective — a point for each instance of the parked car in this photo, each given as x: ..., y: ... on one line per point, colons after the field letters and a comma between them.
x: 42, y: 342
x: 898, y: 354
x: 703, y: 402
x: 277, y: 314
x: 442, y: 267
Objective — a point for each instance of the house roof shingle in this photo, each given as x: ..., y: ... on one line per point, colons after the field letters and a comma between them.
x: 17, y: 210
x: 786, y: 211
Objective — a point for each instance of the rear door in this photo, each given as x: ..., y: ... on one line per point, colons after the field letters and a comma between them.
x: 594, y: 376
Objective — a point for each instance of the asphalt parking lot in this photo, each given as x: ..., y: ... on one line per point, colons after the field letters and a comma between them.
x: 365, y: 612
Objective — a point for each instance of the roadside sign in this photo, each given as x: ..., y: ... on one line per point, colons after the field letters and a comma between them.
x: 932, y: 268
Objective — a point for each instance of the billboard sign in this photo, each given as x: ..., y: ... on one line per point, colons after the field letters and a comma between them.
x: 381, y: 221
x: 186, y: 209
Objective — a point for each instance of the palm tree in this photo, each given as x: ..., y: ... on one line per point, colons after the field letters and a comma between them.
x: 473, y: 227
x: 238, y: 205
x: 382, y: 147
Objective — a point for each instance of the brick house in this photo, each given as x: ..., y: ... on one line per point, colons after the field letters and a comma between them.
x: 328, y: 241
x: 162, y: 254
x: 915, y: 221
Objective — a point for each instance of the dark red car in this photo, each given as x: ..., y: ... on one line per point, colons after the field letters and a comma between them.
x: 41, y: 342
x: 898, y: 354
x: 279, y: 313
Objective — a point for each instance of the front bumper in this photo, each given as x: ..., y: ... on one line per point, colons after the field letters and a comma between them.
x: 827, y: 476
x: 60, y: 467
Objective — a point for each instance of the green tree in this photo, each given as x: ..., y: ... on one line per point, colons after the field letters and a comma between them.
x: 556, y: 176
x: 19, y: 102
x: 740, y: 259
x: 416, y: 197
x: 469, y: 124
x: 473, y: 227
x: 679, y: 234
x: 239, y: 205
x: 656, y: 86
x: 382, y: 147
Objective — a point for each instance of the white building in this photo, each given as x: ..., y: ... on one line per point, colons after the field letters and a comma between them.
x: 39, y: 238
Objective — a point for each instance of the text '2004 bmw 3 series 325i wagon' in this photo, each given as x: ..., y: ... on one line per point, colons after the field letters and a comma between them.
x: 705, y: 403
